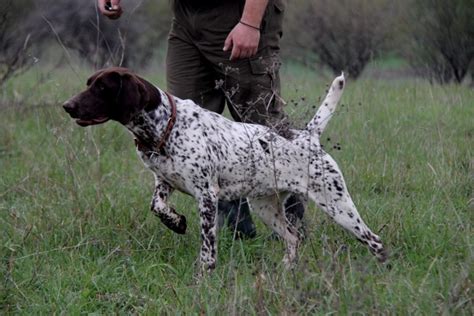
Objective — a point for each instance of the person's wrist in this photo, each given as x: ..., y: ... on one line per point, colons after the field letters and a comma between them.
x: 257, y: 28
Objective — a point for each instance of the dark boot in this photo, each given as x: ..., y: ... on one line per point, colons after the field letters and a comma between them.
x: 237, y: 214
x: 294, y: 211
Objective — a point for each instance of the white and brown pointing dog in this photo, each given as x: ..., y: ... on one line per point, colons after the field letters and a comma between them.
x: 210, y: 157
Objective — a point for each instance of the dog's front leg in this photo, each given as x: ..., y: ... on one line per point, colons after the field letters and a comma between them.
x: 208, y: 217
x: 159, y: 206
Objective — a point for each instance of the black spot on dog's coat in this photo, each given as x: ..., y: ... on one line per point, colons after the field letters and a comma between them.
x: 264, y: 145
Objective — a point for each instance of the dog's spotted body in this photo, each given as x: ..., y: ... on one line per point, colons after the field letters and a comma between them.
x: 212, y: 158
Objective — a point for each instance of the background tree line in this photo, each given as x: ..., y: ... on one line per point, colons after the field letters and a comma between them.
x: 436, y: 37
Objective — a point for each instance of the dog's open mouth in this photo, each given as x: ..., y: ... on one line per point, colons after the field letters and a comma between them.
x: 95, y: 121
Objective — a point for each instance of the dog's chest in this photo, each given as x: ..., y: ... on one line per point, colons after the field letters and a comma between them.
x: 164, y: 167
x: 180, y: 165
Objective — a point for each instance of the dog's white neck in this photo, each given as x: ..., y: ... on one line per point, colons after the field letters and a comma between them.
x: 149, y: 126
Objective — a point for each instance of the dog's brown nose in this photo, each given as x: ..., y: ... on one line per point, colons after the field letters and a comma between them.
x: 68, y: 106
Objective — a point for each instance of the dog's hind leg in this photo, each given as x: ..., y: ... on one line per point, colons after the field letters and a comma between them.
x: 271, y: 212
x: 330, y: 193
x: 168, y: 216
x: 208, y: 217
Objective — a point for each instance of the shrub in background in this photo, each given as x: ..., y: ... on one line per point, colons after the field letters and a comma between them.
x: 128, y: 41
x: 32, y: 26
x: 344, y: 35
x: 15, y: 40
x: 441, y: 37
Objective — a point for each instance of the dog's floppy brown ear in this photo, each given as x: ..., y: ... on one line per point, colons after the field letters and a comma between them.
x: 150, y: 95
x: 128, y: 97
x: 93, y: 77
x: 134, y: 95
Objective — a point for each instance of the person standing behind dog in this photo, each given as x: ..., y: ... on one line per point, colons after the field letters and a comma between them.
x: 227, y: 52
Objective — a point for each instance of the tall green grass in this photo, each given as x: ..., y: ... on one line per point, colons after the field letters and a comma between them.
x: 76, y: 234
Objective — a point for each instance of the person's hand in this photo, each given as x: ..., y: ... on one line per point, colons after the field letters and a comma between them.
x: 110, y: 8
x: 243, y: 40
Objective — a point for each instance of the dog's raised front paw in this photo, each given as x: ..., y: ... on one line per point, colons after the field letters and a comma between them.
x: 176, y: 224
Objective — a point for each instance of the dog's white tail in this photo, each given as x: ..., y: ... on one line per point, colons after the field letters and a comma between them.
x: 320, y: 120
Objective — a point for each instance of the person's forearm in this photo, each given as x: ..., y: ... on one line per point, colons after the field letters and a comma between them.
x: 245, y: 36
x: 253, y: 12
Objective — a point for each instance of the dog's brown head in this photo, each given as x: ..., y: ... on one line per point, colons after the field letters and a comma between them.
x: 112, y: 94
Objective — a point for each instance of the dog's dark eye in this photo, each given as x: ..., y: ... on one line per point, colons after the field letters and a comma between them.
x: 100, y: 86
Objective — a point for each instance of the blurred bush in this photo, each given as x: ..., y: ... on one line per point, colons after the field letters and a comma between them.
x: 15, y: 39
x: 343, y: 35
x: 129, y: 41
x: 32, y: 26
x: 441, y: 38
x: 435, y: 36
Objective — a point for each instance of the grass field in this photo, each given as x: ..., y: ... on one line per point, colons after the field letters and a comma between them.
x: 77, y: 236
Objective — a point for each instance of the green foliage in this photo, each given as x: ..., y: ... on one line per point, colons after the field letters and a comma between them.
x: 77, y: 237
